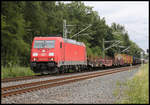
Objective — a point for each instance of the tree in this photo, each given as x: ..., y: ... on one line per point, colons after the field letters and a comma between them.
x: 13, y: 31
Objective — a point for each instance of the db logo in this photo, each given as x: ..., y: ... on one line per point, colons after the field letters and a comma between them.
x: 43, y: 54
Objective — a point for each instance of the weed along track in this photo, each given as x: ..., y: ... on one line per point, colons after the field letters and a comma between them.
x: 23, y: 88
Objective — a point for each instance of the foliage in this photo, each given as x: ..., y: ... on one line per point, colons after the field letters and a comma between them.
x: 10, y: 72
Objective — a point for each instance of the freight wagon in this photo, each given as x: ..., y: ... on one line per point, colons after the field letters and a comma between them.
x: 99, y: 62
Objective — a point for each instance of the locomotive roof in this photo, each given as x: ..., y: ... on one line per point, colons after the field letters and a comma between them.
x: 65, y: 40
x: 45, y: 38
x: 73, y: 42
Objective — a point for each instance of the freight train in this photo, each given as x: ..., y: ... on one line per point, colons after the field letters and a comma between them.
x: 59, y: 55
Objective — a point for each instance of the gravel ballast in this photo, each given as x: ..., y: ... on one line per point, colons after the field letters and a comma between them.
x: 96, y: 90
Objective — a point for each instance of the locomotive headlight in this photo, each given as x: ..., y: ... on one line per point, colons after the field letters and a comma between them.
x: 35, y: 54
x: 52, y: 59
x: 34, y: 59
x: 51, y: 54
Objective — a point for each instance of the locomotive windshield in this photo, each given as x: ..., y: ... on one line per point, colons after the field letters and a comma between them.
x: 44, y: 43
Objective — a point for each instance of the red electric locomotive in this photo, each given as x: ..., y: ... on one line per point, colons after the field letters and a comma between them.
x: 57, y: 54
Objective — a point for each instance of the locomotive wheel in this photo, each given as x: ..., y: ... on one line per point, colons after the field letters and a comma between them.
x: 57, y: 70
x: 79, y: 70
x: 61, y: 70
x: 67, y: 70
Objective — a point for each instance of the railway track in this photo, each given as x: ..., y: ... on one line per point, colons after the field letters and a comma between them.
x: 21, y: 78
x: 28, y: 87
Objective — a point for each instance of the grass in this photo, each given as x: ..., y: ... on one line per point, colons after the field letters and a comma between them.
x: 9, y: 72
x: 16, y: 71
x: 137, y: 90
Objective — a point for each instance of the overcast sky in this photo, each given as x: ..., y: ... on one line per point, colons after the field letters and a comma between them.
x: 133, y: 15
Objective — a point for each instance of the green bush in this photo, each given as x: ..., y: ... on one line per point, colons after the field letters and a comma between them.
x: 9, y: 72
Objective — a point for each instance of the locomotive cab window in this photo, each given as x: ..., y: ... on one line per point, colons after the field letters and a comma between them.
x: 44, y: 44
x: 60, y: 44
